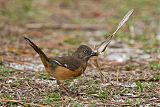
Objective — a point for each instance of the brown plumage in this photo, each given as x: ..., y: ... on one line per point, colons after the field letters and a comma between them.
x: 65, y: 67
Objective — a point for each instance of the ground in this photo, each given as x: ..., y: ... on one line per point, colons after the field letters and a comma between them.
x: 130, y: 65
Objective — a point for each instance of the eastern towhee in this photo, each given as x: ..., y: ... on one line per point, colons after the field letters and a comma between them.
x: 65, y: 67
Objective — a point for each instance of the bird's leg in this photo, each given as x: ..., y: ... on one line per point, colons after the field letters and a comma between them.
x: 64, y: 88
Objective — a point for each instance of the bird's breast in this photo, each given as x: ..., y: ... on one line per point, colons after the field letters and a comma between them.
x: 62, y: 73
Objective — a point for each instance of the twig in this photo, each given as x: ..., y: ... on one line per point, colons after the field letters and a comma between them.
x: 22, y: 103
x: 13, y: 101
x: 102, y: 76
x: 7, y: 100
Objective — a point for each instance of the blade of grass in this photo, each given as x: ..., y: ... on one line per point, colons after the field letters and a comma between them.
x: 102, y: 47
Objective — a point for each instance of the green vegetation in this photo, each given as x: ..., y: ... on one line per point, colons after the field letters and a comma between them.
x: 9, y: 97
x: 76, y: 104
x: 103, y: 95
x: 156, y: 78
x: 5, y: 71
x: 44, y: 76
x: 74, y: 41
x: 91, y: 89
x: 130, y: 67
x: 154, y: 65
x: 12, y: 11
x: 19, y: 81
x: 52, y: 97
x: 140, y: 86
x: 134, y: 102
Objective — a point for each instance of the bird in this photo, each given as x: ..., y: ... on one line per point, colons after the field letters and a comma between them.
x: 65, y: 67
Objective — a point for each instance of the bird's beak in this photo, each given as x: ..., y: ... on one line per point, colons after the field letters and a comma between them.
x: 93, y: 53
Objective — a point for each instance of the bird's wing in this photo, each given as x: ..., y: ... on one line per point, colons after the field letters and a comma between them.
x: 69, y: 62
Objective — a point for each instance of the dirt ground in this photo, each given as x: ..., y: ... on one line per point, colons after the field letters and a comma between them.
x: 130, y: 65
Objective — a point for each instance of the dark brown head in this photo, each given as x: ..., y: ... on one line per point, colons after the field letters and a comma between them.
x: 84, y: 52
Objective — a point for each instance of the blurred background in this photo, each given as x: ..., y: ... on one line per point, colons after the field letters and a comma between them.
x: 72, y: 22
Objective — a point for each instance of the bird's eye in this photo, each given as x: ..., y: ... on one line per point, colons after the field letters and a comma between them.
x: 85, y: 51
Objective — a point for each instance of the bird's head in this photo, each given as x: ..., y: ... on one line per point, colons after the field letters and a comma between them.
x: 84, y: 52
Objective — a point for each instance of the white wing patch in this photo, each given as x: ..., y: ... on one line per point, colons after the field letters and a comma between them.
x: 65, y: 65
x: 57, y: 62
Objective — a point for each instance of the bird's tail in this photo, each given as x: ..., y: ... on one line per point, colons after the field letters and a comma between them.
x: 43, y: 57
